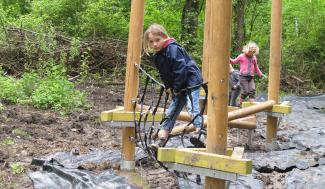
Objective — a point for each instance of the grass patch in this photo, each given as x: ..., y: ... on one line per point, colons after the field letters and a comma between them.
x: 8, y: 141
x: 17, y: 168
x: 20, y: 132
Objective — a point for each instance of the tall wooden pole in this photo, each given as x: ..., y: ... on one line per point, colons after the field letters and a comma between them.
x: 274, y: 69
x: 132, y: 79
x: 205, y: 63
x: 217, y: 57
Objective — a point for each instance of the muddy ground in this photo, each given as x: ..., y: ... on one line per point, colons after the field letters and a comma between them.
x: 26, y: 133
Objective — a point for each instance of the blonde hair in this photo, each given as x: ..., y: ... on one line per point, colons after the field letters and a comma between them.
x: 249, y: 45
x: 154, y: 29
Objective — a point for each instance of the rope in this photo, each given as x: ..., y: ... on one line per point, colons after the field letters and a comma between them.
x: 148, y: 75
x: 153, y: 110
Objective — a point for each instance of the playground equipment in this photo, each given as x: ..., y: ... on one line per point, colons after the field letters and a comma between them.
x: 215, y: 162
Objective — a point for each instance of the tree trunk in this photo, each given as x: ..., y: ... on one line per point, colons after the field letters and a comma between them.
x: 189, y: 23
x: 239, y: 29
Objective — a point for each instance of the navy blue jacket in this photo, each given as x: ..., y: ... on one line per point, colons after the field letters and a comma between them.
x: 176, y: 68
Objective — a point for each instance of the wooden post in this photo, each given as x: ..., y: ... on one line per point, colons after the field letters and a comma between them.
x: 274, y: 69
x: 132, y: 79
x: 217, y: 58
x: 205, y: 62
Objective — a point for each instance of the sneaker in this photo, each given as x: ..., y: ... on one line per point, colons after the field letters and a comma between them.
x: 197, y: 143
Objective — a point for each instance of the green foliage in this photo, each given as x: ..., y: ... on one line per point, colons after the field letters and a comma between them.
x: 17, y: 168
x: 8, y: 141
x: 80, y: 18
x: 75, y: 48
x: 84, y: 65
x: 57, y: 93
x: 304, y: 39
x: 62, y: 14
x: 20, y: 132
x: 29, y: 82
x: 105, y: 18
x: 302, y: 45
x: 166, y: 13
x: 15, y: 8
x: 11, y: 89
x: 48, y: 88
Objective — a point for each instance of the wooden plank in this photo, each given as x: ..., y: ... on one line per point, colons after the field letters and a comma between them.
x: 277, y: 108
x: 129, y: 116
x: 205, y: 160
x: 119, y: 115
x: 228, y: 152
x: 108, y: 115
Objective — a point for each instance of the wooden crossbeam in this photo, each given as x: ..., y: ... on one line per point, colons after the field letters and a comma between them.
x: 128, y: 116
x: 229, y: 151
x: 205, y: 160
x: 284, y: 107
x: 119, y: 115
x: 108, y: 115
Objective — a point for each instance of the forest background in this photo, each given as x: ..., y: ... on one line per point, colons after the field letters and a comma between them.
x: 47, y: 46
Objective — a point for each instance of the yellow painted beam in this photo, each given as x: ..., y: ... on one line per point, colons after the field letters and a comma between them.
x: 128, y: 116
x: 108, y: 115
x: 228, y: 153
x: 205, y: 160
x: 277, y: 108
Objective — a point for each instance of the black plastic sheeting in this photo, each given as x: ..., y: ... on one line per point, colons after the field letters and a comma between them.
x: 60, y: 171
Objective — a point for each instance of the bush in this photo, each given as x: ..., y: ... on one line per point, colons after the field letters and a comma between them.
x: 58, y: 93
x: 11, y: 90
x: 47, y: 88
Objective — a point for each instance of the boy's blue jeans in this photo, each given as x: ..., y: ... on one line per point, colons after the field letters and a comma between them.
x: 176, y: 107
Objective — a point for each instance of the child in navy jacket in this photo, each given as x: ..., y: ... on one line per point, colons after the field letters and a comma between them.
x: 177, y: 71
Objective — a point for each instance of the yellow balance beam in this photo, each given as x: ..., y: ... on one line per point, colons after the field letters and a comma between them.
x: 229, y: 151
x: 108, y: 115
x: 205, y: 160
x: 128, y: 116
x: 284, y: 107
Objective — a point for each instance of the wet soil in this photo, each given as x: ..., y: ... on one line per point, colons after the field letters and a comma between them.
x: 26, y: 133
